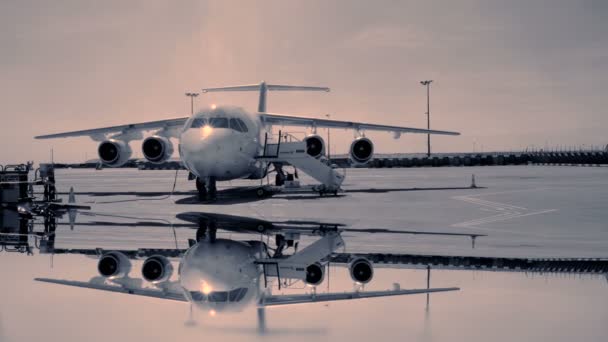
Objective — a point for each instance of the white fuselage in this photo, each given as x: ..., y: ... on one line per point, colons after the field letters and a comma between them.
x: 221, y: 276
x: 223, y: 143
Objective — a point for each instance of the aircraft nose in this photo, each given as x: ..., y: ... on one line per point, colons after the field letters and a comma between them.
x: 205, y: 140
x: 206, y: 150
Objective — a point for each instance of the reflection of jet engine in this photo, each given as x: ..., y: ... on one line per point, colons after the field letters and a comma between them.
x: 361, y: 271
x: 114, y: 152
x: 361, y: 150
x: 315, y: 274
x: 315, y: 145
x: 157, y: 149
x: 157, y: 269
x: 114, y: 265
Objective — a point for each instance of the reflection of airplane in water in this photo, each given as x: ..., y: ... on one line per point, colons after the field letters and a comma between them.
x: 225, y: 275
x: 225, y: 143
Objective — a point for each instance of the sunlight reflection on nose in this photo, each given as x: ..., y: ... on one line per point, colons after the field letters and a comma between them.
x: 206, y: 288
x: 206, y: 131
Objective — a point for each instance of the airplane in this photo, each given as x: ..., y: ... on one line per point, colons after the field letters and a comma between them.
x: 223, y: 143
x: 219, y: 275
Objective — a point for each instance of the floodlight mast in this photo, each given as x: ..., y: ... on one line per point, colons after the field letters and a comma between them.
x: 192, y: 96
x: 427, y: 83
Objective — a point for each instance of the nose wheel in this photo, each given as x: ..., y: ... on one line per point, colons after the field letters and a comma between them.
x: 212, y: 188
x: 202, y: 189
x: 206, y: 191
x: 206, y: 229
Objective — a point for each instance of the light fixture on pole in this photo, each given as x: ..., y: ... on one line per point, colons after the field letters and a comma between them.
x: 192, y: 96
x: 427, y: 83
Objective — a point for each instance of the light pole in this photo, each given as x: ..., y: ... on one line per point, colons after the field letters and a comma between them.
x: 192, y: 96
x: 328, y: 142
x: 427, y: 83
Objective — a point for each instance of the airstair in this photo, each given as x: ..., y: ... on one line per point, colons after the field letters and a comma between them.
x: 290, y: 150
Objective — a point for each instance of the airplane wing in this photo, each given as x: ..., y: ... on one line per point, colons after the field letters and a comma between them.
x: 289, y: 120
x: 100, y: 133
x: 255, y: 225
x: 330, y: 297
x: 138, y: 291
x: 140, y: 253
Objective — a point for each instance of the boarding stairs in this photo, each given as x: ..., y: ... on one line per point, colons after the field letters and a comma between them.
x: 290, y: 150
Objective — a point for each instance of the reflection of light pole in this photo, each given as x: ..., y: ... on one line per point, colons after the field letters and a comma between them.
x: 427, y: 83
x: 328, y: 142
x: 192, y: 96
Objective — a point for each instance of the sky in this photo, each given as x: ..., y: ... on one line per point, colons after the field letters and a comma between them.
x: 507, y: 75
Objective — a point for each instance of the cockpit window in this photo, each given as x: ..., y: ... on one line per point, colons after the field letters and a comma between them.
x: 197, y: 296
x: 238, y: 125
x: 218, y: 122
x: 218, y: 296
x: 198, y: 123
x: 235, y: 295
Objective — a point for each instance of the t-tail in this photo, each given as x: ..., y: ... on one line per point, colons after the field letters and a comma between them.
x: 263, y: 88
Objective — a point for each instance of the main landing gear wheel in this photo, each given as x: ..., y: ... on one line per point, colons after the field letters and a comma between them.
x: 260, y: 192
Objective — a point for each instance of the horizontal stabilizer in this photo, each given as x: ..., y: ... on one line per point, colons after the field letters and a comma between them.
x: 263, y: 88
x: 270, y: 87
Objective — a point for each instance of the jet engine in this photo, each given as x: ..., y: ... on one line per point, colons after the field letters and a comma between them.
x: 315, y: 274
x: 157, y: 149
x: 114, y: 265
x: 361, y: 150
x: 114, y: 152
x: 157, y: 269
x: 361, y: 271
x: 315, y: 145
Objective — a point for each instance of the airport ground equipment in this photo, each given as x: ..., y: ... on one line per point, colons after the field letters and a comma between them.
x: 289, y: 150
x: 20, y: 207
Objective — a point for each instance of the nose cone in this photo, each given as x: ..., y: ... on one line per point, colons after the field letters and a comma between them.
x: 206, y: 150
x: 204, y: 139
x: 219, y: 276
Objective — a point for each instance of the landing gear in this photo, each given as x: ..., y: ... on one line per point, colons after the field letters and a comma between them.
x: 202, y: 189
x: 206, y: 191
x: 261, y: 192
x: 206, y: 227
x: 212, y: 188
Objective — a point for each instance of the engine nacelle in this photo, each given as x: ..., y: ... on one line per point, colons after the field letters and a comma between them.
x: 361, y: 270
x: 315, y: 274
x: 114, y: 265
x: 361, y: 150
x: 114, y: 152
x: 157, y: 269
x: 315, y: 145
x: 157, y: 149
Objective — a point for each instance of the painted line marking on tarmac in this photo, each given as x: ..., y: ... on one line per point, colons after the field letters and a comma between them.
x: 505, y: 211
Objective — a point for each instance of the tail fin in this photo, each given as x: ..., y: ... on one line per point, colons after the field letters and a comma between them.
x: 263, y: 88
